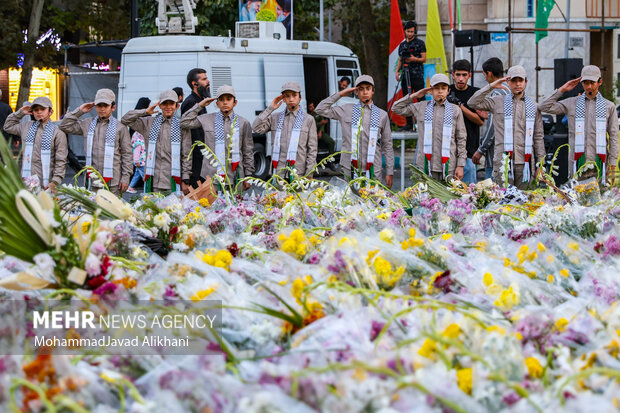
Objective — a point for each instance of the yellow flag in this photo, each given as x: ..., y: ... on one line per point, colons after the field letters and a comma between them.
x: 435, y: 52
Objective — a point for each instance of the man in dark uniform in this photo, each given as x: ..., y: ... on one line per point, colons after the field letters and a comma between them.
x: 410, y: 67
x: 199, y: 84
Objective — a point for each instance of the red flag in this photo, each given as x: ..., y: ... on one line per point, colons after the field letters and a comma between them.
x: 397, y: 35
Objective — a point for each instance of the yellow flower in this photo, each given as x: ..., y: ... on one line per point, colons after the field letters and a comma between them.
x: 464, y: 379
x: 561, y: 324
x: 446, y: 237
x: 487, y: 279
x: 382, y: 216
x: 564, y: 272
x: 573, y: 246
x: 386, y: 235
x: 534, y: 367
x: 541, y: 247
x: 550, y: 259
x: 202, y: 294
x: 221, y: 258
x: 497, y: 329
x: 204, y: 202
x: 412, y: 232
x: 85, y: 227
x: 452, y: 331
x: 550, y: 279
x: 428, y: 349
x: 507, y: 299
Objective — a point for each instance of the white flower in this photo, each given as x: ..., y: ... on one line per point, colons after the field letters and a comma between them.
x: 59, y: 241
x: 93, y: 265
x: 162, y: 220
x: 45, y: 263
x: 126, y: 211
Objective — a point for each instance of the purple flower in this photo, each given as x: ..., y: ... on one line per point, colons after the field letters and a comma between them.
x: 511, y: 398
x: 314, y: 259
x: 375, y: 329
x: 107, y: 288
x: 339, y: 266
x: 533, y: 328
x: 397, y: 216
x: 170, y: 292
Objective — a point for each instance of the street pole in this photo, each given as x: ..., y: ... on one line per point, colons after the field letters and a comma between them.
x: 321, y: 34
x: 329, y: 24
x: 566, y: 37
x: 603, y: 36
x: 509, y: 34
x: 135, y: 19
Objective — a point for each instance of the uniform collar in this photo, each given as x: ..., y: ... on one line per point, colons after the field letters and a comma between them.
x: 294, y: 112
x: 366, y: 105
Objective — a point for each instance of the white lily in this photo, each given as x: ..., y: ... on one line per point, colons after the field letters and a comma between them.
x: 30, y: 209
x: 111, y: 203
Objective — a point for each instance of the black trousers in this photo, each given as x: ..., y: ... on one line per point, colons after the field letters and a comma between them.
x: 417, y: 83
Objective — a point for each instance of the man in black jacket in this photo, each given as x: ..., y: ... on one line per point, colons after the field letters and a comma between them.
x: 199, y: 84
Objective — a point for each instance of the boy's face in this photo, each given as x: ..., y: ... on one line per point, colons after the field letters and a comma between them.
x: 104, y: 110
x: 517, y: 85
x: 310, y: 107
x: 410, y: 33
x: 461, y: 77
x: 365, y: 91
x: 41, y: 114
x: 168, y: 107
x: 440, y: 92
x: 291, y: 99
x: 591, y: 88
x: 226, y: 103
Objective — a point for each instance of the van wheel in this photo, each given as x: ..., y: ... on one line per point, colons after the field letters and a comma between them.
x: 261, y: 162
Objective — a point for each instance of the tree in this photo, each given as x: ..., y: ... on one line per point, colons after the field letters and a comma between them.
x: 32, y: 31
x: 364, y: 23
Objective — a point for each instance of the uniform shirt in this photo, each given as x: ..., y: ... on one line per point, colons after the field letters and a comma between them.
x: 343, y: 114
x: 487, y: 133
x: 495, y: 104
x: 71, y: 124
x: 192, y: 120
x: 141, y: 122
x: 307, y: 146
x: 567, y: 107
x: 415, y: 47
x: 458, y: 153
x: 59, y: 151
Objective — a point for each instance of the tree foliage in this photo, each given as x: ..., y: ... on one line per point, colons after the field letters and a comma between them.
x: 96, y: 19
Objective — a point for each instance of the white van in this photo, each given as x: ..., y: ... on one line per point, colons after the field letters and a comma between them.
x: 256, y: 65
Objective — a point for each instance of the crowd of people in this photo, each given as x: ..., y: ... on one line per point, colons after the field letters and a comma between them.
x: 156, y: 139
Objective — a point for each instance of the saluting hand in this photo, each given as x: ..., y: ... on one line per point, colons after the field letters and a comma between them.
x: 498, y: 84
x: 87, y: 107
x: 206, y: 102
x: 27, y: 110
x: 275, y: 103
x: 570, y: 85
x: 151, y: 109
x: 420, y: 93
x: 347, y: 91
